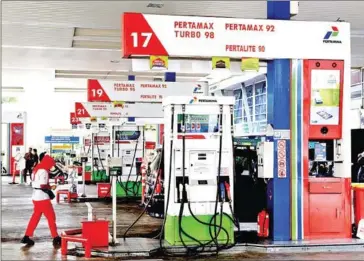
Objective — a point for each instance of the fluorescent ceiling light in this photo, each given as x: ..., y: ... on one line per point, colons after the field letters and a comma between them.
x: 77, y: 72
x: 96, y: 44
x: 125, y: 77
x: 70, y: 89
x: 96, y: 32
x: 357, y: 33
x: 154, y: 4
x: 120, y: 75
x: 89, y: 38
x: 12, y: 89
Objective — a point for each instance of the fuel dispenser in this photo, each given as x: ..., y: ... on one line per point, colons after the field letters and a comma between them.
x: 128, y: 144
x: 84, y: 159
x: 327, y: 191
x: 198, y: 152
x: 100, y: 148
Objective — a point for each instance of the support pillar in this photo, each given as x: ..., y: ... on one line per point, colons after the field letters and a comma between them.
x: 278, y: 189
x: 170, y: 77
x: 131, y: 78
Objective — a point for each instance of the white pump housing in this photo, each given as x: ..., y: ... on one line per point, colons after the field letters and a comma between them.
x: 202, y: 149
x: 265, y: 153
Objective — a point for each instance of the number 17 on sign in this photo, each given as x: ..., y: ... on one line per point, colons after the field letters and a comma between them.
x: 143, y: 39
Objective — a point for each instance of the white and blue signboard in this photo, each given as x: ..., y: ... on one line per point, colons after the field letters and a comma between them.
x: 62, y: 139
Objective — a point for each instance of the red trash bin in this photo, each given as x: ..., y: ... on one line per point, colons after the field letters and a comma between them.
x: 97, y: 232
x: 358, y: 204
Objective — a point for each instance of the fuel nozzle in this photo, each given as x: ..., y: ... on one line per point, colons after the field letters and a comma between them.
x: 187, y: 192
x: 222, y: 192
x: 183, y: 191
x: 180, y: 186
x: 227, y: 187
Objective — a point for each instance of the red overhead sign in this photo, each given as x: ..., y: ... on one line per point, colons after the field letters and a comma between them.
x: 130, y: 91
x: 194, y: 36
x: 74, y: 120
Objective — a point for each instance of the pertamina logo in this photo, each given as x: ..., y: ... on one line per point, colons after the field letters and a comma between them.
x: 195, y: 100
x: 198, y: 89
x: 332, y: 36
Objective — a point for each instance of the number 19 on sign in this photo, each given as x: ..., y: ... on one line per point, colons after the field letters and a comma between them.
x: 97, y: 93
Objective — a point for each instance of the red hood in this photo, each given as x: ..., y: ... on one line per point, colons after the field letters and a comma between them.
x: 47, y: 163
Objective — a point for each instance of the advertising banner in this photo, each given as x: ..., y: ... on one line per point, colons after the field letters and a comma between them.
x: 325, y: 97
x: 158, y: 62
x: 62, y: 139
x: 16, y: 142
x: 130, y: 91
x: 193, y: 36
x: 220, y: 63
x: 250, y: 64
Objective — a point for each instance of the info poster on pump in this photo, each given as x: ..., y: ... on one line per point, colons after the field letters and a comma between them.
x: 198, y: 123
x: 325, y: 97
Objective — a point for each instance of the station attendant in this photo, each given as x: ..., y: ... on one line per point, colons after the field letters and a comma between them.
x: 42, y: 196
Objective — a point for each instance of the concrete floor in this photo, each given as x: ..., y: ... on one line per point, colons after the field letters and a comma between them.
x: 17, y: 208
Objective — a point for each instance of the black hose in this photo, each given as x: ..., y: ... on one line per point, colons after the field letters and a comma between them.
x: 212, y: 223
x: 131, y: 168
x: 99, y: 154
x: 146, y: 206
x: 181, y: 231
x: 126, y: 188
x: 169, y: 181
x: 193, y: 250
x: 207, y: 224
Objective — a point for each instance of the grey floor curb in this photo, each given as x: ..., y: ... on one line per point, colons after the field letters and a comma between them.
x: 239, y: 249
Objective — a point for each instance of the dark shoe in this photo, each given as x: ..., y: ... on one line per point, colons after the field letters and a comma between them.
x: 57, y: 241
x: 26, y: 240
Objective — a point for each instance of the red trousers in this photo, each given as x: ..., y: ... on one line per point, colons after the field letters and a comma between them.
x: 42, y: 207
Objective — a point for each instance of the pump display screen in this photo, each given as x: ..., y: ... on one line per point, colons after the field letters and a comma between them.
x: 127, y: 135
x: 198, y: 123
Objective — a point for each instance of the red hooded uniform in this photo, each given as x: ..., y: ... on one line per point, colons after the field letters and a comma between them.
x: 41, y: 200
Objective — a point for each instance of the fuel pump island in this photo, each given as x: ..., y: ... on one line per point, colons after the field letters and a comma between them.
x: 303, y: 154
x: 301, y: 205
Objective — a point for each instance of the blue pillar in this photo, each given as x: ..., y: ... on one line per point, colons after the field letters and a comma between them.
x: 170, y: 77
x: 278, y: 10
x: 278, y: 190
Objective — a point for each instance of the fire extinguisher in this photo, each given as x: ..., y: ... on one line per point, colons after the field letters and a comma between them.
x: 263, y: 224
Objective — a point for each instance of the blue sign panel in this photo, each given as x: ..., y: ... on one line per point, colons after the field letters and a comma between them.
x: 62, y: 139
x: 60, y: 151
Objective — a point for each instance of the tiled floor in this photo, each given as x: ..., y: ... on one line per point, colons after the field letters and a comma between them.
x: 17, y: 208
